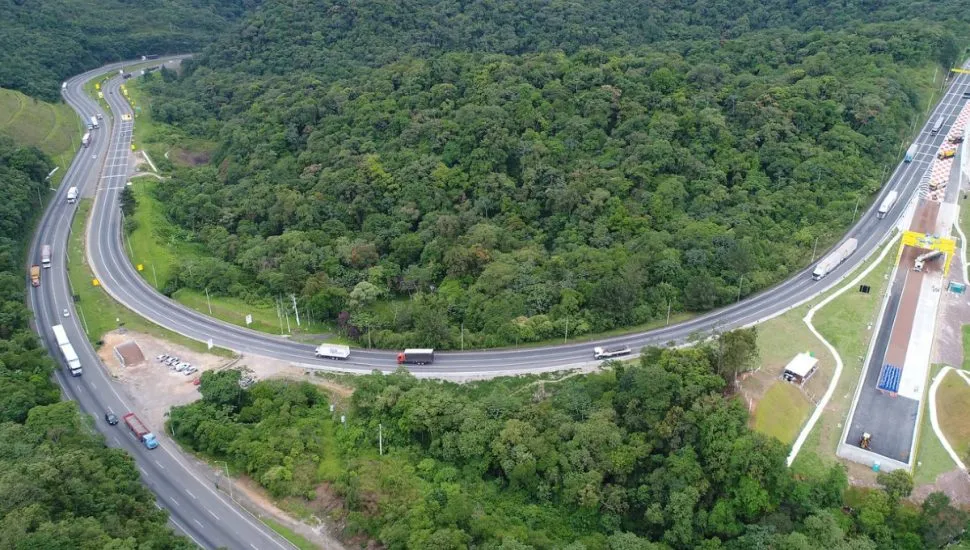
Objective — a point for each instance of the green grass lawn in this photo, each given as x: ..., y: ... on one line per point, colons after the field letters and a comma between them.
x: 53, y: 128
x: 778, y: 409
x: 953, y: 410
x: 99, y: 313
x: 931, y: 458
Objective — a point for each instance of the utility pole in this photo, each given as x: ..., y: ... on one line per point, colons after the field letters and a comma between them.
x: 856, y: 209
x: 295, y: 309
x: 462, y: 336
x: 206, y: 297
x: 380, y: 438
x: 815, y: 248
x: 229, y: 479
x: 566, y: 337
x: 154, y: 275
x: 740, y: 282
x: 669, y: 303
x: 279, y: 316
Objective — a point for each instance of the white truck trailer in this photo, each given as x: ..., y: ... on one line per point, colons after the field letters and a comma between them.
x: 94, y: 122
x: 333, y: 351
x: 73, y: 362
x: 887, y: 204
x: 86, y: 139
x: 835, y: 259
x: 72, y: 195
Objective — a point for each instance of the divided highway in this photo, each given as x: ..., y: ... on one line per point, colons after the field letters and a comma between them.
x: 119, y: 278
x: 196, y: 508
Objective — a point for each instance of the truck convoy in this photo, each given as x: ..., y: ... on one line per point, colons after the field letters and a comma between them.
x: 138, y: 428
x: 333, y: 351
x: 938, y: 125
x: 911, y: 153
x: 73, y: 362
x: 45, y: 256
x: 835, y: 259
x: 94, y: 122
x: 72, y: 195
x: 600, y: 352
x: 35, y: 275
x: 416, y: 357
x: 86, y: 139
x: 887, y: 204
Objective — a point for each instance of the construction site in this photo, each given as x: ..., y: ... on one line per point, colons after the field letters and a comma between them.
x: 881, y: 431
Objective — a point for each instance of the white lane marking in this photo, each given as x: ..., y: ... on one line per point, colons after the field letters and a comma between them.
x: 159, y: 464
x: 213, y: 514
x: 191, y: 495
x: 199, y: 523
x: 143, y: 472
x: 184, y: 530
x: 79, y: 387
x: 174, y: 500
x: 253, y: 546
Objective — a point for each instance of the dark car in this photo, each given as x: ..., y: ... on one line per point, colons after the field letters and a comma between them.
x: 110, y: 418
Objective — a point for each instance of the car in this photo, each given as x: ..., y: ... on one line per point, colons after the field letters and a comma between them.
x: 100, y: 116
x: 110, y: 418
x: 966, y: 95
x: 189, y: 371
x: 67, y: 313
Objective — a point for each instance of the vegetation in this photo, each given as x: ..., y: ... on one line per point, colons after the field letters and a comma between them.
x: 533, y: 173
x: 953, y: 406
x: 62, y: 487
x: 41, y: 43
x: 646, y: 456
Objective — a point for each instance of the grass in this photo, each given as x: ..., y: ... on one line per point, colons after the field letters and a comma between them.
x: 777, y: 410
x: 99, y: 312
x: 953, y: 400
x: 296, y: 539
x: 966, y: 347
x: 931, y: 458
x: 158, y: 138
x: 53, y: 128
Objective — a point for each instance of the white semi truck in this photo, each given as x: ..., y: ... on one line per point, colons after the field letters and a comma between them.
x: 94, y: 122
x: 887, y: 204
x: 86, y: 139
x: 333, y: 351
x: 73, y: 362
x: 835, y: 259
x: 72, y: 195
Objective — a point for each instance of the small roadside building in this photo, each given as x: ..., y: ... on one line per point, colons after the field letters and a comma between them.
x: 129, y: 354
x: 801, y: 368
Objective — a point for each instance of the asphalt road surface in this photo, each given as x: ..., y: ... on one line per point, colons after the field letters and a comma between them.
x: 195, y: 507
x: 119, y: 278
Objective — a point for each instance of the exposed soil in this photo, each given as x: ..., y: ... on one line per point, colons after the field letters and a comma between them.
x: 954, y: 483
x: 185, y: 157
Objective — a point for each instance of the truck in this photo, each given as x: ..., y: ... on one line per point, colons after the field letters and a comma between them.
x: 35, y: 275
x: 938, y: 125
x: 94, y: 122
x: 911, y: 153
x: 416, y: 357
x: 948, y: 154
x: 333, y: 351
x: 72, y: 195
x: 86, y: 139
x: 925, y: 257
x: 835, y: 259
x: 887, y: 204
x: 600, y: 352
x: 45, y: 256
x: 67, y: 350
x: 138, y: 428
x: 959, y: 136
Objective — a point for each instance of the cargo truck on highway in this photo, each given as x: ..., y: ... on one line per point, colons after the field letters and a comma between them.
x: 94, y: 121
x: 35, y: 275
x: 416, y: 356
x: 45, y: 256
x: 938, y: 125
x: 67, y: 350
x: 333, y: 351
x: 138, y: 428
x: 887, y: 204
x: 911, y: 153
x: 835, y: 259
x: 72, y: 195
x: 610, y: 352
x: 86, y: 139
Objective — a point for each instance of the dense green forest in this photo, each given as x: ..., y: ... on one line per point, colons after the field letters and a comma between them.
x: 61, y: 487
x: 41, y: 43
x: 648, y: 456
x: 510, y: 172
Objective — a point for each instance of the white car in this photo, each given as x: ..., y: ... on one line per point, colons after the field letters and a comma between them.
x: 67, y: 313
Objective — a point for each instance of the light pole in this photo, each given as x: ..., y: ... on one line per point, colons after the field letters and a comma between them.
x: 814, y: 249
x: 740, y: 282
x: 229, y: 479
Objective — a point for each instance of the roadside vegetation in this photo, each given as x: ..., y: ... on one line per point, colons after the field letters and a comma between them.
x: 51, y: 127
x: 61, y: 487
x: 649, y: 455
x: 501, y: 181
x: 953, y: 409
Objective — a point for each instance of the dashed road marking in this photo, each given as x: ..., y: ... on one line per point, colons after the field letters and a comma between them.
x: 213, y: 514
x: 191, y: 495
x: 159, y: 464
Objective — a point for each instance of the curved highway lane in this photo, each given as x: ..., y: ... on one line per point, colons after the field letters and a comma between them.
x: 196, y: 508
x: 119, y: 278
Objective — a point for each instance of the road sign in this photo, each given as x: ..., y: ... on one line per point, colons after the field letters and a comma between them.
x: 97, y: 85
x: 95, y: 282
x: 140, y: 267
x: 249, y: 319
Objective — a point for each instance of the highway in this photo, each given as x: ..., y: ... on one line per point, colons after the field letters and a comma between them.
x: 196, y: 508
x: 106, y: 253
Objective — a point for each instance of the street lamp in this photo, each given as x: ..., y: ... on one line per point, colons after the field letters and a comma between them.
x: 229, y: 479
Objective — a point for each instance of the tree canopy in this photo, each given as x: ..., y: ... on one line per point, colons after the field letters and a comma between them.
x: 522, y: 171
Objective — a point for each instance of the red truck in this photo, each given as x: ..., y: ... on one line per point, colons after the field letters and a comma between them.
x: 138, y: 428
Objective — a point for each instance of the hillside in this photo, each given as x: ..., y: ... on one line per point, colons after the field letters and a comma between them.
x: 51, y: 127
x: 41, y: 43
x: 430, y: 175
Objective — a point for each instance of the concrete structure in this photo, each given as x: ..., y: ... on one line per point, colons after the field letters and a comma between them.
x: 800, y: 368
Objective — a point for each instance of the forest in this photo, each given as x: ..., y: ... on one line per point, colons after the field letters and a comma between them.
x: 644, y: 456
x: 42, y: 43
x: 61, y: 487
x: 476, y: 175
